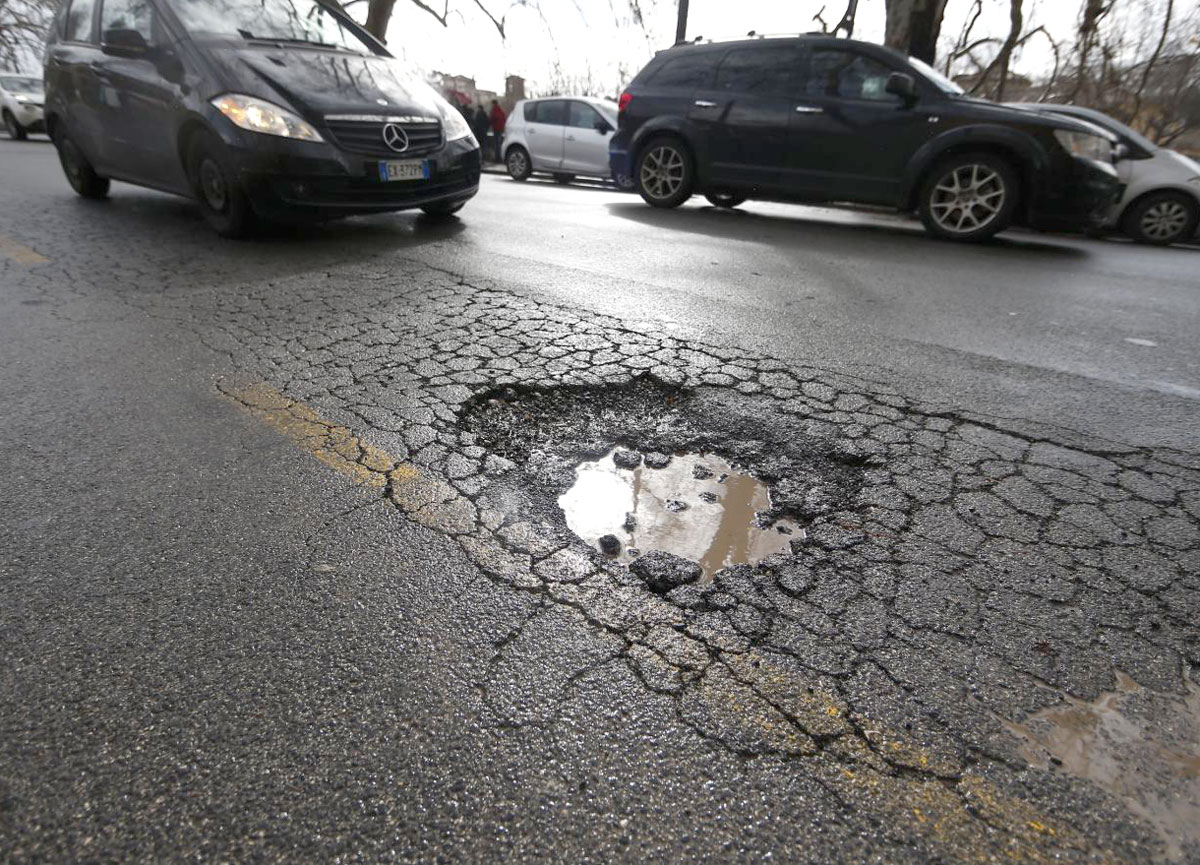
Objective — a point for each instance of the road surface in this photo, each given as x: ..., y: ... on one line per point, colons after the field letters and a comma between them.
x: 283, y: 576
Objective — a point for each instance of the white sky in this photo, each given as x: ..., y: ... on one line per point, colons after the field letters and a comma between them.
x: 589, y: 36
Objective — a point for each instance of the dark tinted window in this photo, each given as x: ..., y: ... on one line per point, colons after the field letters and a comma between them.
x: 553, y: 111
x: 846, y: 75
x: 127, y: 15
x: 768, y: 70
x: 79, y: 21
x: 530, y: 112
x: 687, y: 71
x: 583, y: 116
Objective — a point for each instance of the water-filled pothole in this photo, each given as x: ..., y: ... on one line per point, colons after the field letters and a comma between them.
x: 692, y: 505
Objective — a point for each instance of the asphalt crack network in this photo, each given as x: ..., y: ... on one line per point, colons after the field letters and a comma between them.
x: 956, y: 572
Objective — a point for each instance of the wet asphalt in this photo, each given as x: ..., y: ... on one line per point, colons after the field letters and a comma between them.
x: 283, y: 578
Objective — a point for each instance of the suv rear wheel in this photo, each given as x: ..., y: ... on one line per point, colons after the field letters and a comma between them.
x: 725, y: 199
x: 665, y: 173
x: 969, y: 197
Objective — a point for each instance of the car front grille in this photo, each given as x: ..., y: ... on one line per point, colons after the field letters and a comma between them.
x: 364, y: 134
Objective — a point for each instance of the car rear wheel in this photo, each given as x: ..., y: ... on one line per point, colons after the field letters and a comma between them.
x: 665, y: 173
x: 564, y: 178
x: 1162, y: 218
x: 724, y: 199
x: 518, y: 164
x: 79, y: 171
x: 15, y: 130
x: 218, y: 191
x: 969, y: 197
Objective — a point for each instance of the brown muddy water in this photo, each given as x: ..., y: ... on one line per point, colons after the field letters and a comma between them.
x: 1138, y: 744
x: 696, y: 506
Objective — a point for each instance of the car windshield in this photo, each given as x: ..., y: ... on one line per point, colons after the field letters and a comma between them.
x: 18, y: 84
x: 304, y: 22
x: 940, y: 81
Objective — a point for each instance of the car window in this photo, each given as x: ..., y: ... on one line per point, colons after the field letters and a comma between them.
x: 530, y: 112
x: 767, y: 69
x: 848, y: 75
x: 552, y: 111
x: 686, y: 72
x: 583, y: 116
x: 127, y: 15
x: 78, y: 26
x: 19, y: 84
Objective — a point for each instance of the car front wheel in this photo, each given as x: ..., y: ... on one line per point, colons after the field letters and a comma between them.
x: 665, y: 173
x: 79, y: 171
x: 518, y: 164
x: 15, y: 130
x: 218, y: 191
x: 1162, y: 218
x: 969, y: 197
x: 442, y: 210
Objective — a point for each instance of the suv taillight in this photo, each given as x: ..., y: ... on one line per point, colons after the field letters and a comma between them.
x: 624, y: 101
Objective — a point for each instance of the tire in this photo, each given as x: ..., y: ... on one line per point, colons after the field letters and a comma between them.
x: 15, y: 130
x: 1162, y: 218
x: 564, y: 178
x: 220, y: 195
x: 442, y: 210
x: 518, y: 163
x: 969, y: 197
x: 79, y: 172
x: 665, y: 172
x: 725, y: 199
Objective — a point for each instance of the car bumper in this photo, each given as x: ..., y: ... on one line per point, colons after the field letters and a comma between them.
x: 296, y: 180
x: 620, y: 162
x: 30, y: 117
x: 1077, y: 195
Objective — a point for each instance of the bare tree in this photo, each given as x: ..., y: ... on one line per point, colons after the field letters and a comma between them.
x: 23, y: 26
x: 913, y: 26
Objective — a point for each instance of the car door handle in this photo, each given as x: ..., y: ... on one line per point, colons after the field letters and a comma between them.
x: 570, y: 138
x: 704, y: 103
x: 809, y: 109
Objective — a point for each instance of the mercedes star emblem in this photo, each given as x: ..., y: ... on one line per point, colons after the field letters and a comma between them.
x: 395, y: 137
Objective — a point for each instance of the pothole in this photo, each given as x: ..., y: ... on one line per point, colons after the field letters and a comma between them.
x: 692, y: 505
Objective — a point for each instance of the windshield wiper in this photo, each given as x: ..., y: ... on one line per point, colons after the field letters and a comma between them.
x: 246, y: 34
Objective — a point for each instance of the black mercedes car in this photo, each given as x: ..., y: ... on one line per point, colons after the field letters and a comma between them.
x: 817, y: 118
x: 279, y: 109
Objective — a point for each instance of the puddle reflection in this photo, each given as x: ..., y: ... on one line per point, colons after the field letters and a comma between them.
x: 696, y: 506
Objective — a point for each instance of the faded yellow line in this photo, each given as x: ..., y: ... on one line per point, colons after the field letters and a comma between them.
x: 20, y: 253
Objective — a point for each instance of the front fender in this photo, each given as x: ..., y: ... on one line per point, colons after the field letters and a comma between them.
x: 1030, y: 156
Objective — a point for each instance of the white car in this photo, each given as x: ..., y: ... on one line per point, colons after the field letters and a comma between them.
x: 21, y: 98
x: 1161, y: 201
x: 564, y: 136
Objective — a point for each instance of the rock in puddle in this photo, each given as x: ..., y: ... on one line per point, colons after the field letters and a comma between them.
x: 627, y: 459
x: 610, y: 544
x: 663, y: 572
x: 656, y: 460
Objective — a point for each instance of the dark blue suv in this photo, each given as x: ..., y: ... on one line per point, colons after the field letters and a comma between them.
x: 817, y: 118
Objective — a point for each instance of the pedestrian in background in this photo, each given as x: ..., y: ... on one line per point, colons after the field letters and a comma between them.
x: 479, y: 125
x: 498, y: 119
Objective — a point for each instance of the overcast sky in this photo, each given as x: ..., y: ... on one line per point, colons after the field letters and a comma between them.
x: 596, y: 35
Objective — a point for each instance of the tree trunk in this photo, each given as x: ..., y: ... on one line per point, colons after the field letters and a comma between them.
x: 379, y: 13
x: 913, y: 27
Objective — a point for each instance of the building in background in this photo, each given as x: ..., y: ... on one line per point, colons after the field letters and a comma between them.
x: 461, y: 90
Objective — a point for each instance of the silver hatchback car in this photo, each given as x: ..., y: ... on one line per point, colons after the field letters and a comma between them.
x: 21, y: 98
x: 562, y: 136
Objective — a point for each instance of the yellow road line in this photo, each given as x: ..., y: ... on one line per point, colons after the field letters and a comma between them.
x: 20, y: 253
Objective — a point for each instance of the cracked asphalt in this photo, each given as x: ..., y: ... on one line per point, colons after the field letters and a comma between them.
x: 284, y: 578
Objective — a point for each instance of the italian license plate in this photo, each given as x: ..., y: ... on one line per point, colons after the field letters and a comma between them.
x: 408, y: 169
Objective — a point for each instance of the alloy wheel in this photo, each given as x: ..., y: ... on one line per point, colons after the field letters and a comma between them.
x: 662, y: 172
x: 968, y: 198
x: 1164, y: 220
x: 517, y: 163
x: 212, y: 185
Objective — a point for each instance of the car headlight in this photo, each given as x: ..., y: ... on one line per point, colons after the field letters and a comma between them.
x: 25, y: 100
x: 1085, y: 145
x: 1194, y: 181
x: 258, y: 115
x: 454, y: 123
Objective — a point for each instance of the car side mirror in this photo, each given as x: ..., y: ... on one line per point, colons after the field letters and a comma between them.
x: 120, y: 42
x: 902, y: 85
x: 603, y: 127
